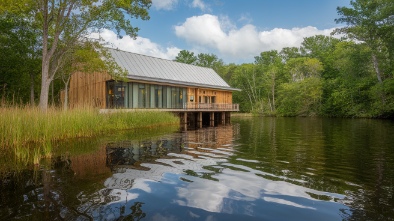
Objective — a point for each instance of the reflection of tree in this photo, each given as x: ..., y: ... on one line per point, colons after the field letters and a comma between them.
x: 136, y: 213
x: 349, y: 157
x: 36, y: 194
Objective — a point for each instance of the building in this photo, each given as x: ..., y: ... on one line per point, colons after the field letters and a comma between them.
x: 198, y: 94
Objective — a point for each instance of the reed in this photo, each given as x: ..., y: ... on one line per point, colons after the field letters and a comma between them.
x: 20, y: 126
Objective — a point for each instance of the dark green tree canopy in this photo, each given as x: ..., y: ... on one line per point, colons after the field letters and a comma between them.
x: 186, y: 57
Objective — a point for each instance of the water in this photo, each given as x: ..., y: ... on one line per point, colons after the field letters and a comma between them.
x: 255, y: 169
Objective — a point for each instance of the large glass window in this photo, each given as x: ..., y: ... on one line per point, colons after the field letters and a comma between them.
x: 158, y: 96
x: 141, y: 95
x: 116, y: 92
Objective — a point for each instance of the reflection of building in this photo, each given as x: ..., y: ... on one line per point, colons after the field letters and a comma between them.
x: 176, y: 153
x: 132, y: 153
x: 154, y: 83
x: 91, y: 163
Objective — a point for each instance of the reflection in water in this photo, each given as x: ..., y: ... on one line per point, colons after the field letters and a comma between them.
x: 196, y: 166
x: 256, y: 169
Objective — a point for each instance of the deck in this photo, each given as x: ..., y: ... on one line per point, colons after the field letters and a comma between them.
x: 185, y: 108
x: 193, y: 115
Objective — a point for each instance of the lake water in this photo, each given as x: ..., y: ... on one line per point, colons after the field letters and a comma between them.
x: 255, y: 169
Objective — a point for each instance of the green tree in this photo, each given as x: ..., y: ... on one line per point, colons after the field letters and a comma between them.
x: 246, y: 78
x: 298, y: 69
x: 209, y: 61
x: 186, y: 57
x: 302, y: 94
x: 65, y: 22
x: 269, y: 66
x: 86, y: 57
x: 371, y: 22
x: 19, y: 58
x: 349, y: 90
x: 287, y: 53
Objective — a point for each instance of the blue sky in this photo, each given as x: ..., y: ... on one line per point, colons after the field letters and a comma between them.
x: 234, y: 30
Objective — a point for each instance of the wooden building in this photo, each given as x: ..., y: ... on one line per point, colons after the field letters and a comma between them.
x: 198, y: 94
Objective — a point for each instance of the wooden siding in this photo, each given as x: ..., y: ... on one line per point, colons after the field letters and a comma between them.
x: 221, y: 97
x: 88, y: 89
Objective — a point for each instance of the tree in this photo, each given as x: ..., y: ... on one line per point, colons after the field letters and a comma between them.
x: 269, y: 64
x: 302, y: 68
x: 371, y: 22
x: 65, y: 22
x: 287, y: 53
x: 209, y: 61
x: 19, y: 57
x: 303, y: 92
x: 186, y: 57
x: 249, y: 81
x: 87, y: 57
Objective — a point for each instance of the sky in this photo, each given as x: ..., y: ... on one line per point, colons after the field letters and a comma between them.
x: 235, y: 31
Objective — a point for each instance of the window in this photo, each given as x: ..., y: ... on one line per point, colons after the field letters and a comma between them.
x: 116, y: 92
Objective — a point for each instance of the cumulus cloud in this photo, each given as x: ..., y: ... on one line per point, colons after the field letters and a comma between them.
x: 164, y: 4
x: 140, y: 45
x: 240, y: 43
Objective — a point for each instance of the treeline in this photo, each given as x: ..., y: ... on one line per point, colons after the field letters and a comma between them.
x: 326, y: 76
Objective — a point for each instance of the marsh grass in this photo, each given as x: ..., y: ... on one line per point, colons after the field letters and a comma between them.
x: 22, y: 126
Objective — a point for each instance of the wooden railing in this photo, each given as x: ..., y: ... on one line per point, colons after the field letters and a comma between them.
x: 203, y: 106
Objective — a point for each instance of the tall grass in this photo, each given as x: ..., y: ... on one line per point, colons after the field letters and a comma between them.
x: 23, y: 125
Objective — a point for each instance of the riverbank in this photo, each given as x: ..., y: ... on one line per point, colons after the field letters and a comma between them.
x: 23, y: 125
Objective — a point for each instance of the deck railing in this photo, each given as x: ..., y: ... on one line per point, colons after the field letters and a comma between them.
x: 183, y: 107
x: 203, y: 106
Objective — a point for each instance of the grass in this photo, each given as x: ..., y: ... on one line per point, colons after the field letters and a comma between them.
x: 21, y: 126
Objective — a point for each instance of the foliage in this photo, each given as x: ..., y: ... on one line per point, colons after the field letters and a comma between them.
x: 301, y: 98
x: 325, y: 76
x: 63, y: 24
x: 19, y: 59
x: 202, y: 60
x: 186, y: 57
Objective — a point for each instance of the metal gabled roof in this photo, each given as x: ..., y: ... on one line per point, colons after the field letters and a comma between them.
x: 142, y: 67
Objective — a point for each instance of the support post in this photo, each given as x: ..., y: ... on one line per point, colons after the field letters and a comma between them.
x: 184, y: 120
x: 212, y: 119
x: 223, y: 122
x: 199, y: 119
x: 228, y: 117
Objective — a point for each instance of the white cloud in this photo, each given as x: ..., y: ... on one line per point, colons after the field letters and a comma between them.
x: 140, y: 45
x: 214, y: 33
x: 164, y: 4
x: 200, y: 4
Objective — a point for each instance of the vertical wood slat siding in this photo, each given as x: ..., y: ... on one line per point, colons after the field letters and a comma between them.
x: 88, y: 89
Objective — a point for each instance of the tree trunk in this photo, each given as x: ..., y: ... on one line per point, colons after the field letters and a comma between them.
x: 273, y: 93
x: 65, y: 105
x: 376, y: 66
x: 379, y: 76
x: 269, y: 101
x: 45, y: 84
x: 66, y: 98
x: 31, y: 88
x: 53, y: 99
